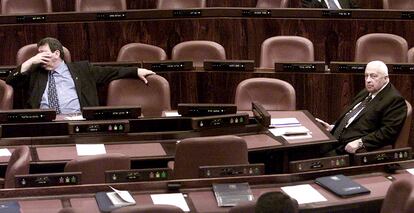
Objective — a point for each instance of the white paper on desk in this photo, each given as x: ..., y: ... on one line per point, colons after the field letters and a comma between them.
x: 284, y: 122
x: 74, y: 118
x: 304, y: 193
x: 290, y: 131
x: 411, y: 171
x: 5, y: 152
x: 171, y: 114
x: 120, y: 198
x: 90, y: 149
x: 175, y: 199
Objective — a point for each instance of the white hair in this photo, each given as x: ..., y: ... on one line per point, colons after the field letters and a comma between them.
x: 380, y: 66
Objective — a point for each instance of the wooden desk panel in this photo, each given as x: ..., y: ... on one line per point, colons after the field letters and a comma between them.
x: 40, y: 206
x: 260, y: 141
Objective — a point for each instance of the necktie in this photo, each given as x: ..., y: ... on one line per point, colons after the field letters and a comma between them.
x: 332, y: 5
x: 339, y: 129
x: 52, y: 94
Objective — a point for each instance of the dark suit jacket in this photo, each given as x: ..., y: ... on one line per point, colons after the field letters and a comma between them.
x: 379, y: 123
x: 345, y: 4
x: 85, y: 76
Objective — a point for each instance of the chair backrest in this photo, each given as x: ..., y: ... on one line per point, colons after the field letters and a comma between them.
x: 30, y: 50
x: 93, y: 167
x: 191, y: 153
x: 25, y: 6
x: 244, y: 207
x: 273, y: 94
x: 177, y: 4
x: 410, y: 55
x: 141, y: 52
x: 404, y: 136
x: 272, y: 3
x: 276, y: 202
x: 385, y: 47
x: 154, y: 98
x: 399, y: 197
x: 100, y: 5
x: 398, y: 4
x: 70, y: 210
x: 198, y: 51
x: 149, y: 209
x: 286, y: 49
x: 6, y: 96
x: 18, y: 164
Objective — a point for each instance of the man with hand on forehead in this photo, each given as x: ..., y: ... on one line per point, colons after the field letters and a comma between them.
x: 375, y: 117
x: 67, y: 87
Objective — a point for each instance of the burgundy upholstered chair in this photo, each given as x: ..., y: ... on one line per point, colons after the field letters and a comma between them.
x: 180, y: 4
x: 141, y: 52
x: 25, y: 6
x: 70, y: 210
x: 154, y: 98
x: 399, y: 197
x: 198, y: 51
x: 398, y: 4
x: 93, y: 167
x: 388, y: 48
x: 411, y: 55
x: 273, y: 94
x: 149, y: 209
x: 6, y: 96
x: 18, y: 164
x: 286, y: 49
x: 30, y: 50
x: 217, y: 150
x: 404, y: 136
x: 272, y: 3
x: 99, y: 5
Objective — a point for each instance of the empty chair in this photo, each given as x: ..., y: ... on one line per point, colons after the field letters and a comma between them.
x: 191, y: 153
x: 272, y: 3
x: 244, y: 207
x: 403, y: 137
x: 141, y: 52
x: 286, y: 49
x: 273, y: 94
x: 385, y: 47
x: 398, y: 4
x: 6, y: 96
x: 154, y: 98
x: 399, y: 197
x: 198, y: 51
x: 411, y: 55
x: 93, y: 167
x: 149, y: 209
x: 179, y: 4
x: 25, y: 6
x: 30, y: 50
x: 276, y: 202
x: 18, y: 164
x: 100, y: 5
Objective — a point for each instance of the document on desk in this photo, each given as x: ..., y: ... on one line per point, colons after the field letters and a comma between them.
x: 411, y: 171
x: 304, y: 193
x: 284, y: 122
x: 292, y: 133
x: 90, y: 149
x: 175, y: 199
x: 171, y: 114
x: 5, y: 152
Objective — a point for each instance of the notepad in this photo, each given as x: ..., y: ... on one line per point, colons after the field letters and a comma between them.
x: 175, y: 199
x: 90, y: 149
x: 304, y: 193
x: 120, y: 198
x: 284, y: 122
x: 229, y: 194
x: 341, y: 185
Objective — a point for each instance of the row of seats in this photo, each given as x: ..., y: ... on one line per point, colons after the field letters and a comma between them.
x: 45, y: 6
x: 389, y: 48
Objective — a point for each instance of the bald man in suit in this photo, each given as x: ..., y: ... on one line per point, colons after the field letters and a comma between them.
x: 375, y: 117
x: 330, y: 4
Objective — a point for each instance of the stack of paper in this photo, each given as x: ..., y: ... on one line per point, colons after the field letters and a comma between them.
x: 284, y: 122
x: 175, y: 199
x: 5, y: 152
x: 292, y: 133
x: 120, y: 198
x: 304, y: 193
x: 90, y: 149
